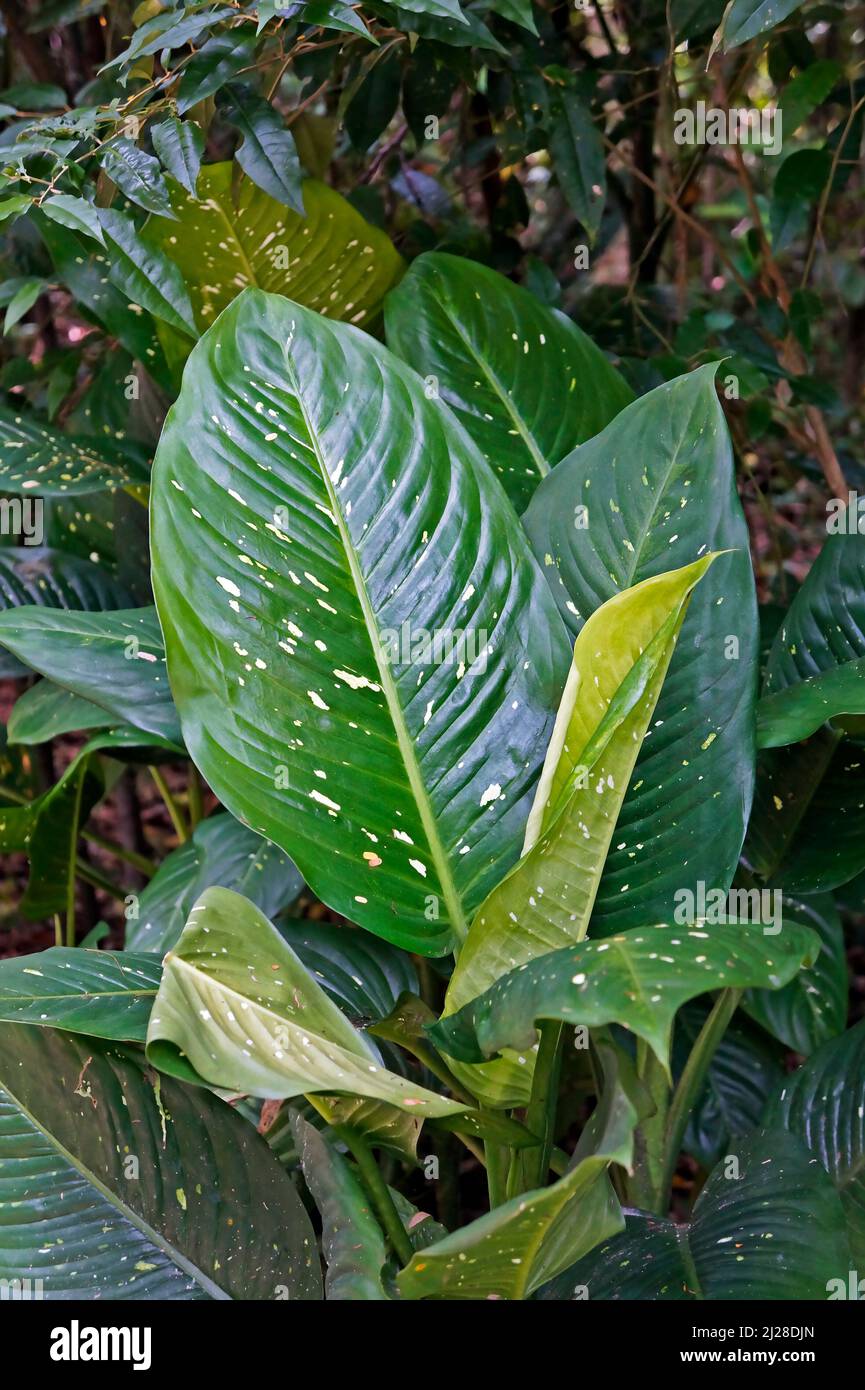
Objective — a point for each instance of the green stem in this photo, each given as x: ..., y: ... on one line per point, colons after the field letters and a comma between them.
x: 541, y: 1112
x: 692, y: 1078
x: 645, y: 1184
x: 377, y: 1191
x: 129, y: 856
x: 498, y: 1157
x: 98, y: 880
x: 170, y: 804
x: 58, y: 930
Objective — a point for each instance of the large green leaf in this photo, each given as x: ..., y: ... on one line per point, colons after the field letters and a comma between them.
x: 655, y: 490
x: 39, y: 575
x: 39, y: 460
x: 638, y: 978
x: 363, y: 653
x: 801, y: 709
x: 47, y: 710
x: 807, y: 831
x: 774, y: 1232
x: 221, y: 852
x: 362, y: 974
x: 498, y: 357
x: 102, y: 993
x: 116, y: 660
x: 545, y: 902
x: 239, y: 1010
x: 813, y: 1007
x: 823, y: 1105
x: 121, y: 1184
x: 352, y: 1243
x: 330, y: 259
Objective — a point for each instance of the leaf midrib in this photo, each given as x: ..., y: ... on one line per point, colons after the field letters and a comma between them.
x: 203, y: 1280
x: 437, y: 850
x: 541, y: 464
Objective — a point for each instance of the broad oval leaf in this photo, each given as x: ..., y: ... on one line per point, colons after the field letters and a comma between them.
x: 102, y: 993
x: 212, y: 1213
x: 498, y: 357
x: 363, y: 653
x: 238, y: 1009
x: 53, y: 580
x: 330, y: 259
x: 47, y: 710
x: 116, y: 660
x: 638, y: 978
x: 657, y: 489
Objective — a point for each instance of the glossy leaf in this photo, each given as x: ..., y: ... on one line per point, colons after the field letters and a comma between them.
x: 362, y: 974
x: 237, y: 1009
x: 137, y: 174
x: 744, y: 1072
x: 267, y: 153
x: 496, y: 355
x: 179, y: 145
x: 546, y: 901
x: 330, y: 259
x: 220, y: 852
x: 212, y: 1213
x: 823, y: 1106
x: 116, y: 660
x: 38, y: 460
x: 813, y: 1007
x: 352, y: 1243
x: 75, y: 213
x: 145, y: 274
x: 745, y: 19
x: 724, y: 1253
x: 47, y: 710
x: 31, y: 575
x: 638, y: 978
x: 305, y: 566
x: 657, y: 489
x: 100, y: 993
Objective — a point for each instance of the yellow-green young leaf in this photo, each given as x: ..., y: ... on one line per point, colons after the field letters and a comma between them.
x: 528, y: 1240
x: 224, y: 240
x: 238, y: 1009
x: 545, y: 902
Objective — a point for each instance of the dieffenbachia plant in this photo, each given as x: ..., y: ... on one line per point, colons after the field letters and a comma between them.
x: 463, y: 637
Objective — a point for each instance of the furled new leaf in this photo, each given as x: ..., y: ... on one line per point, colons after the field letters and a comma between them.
x: 239, y: 1010
x: 654, y: 490
x: 545, y: 902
